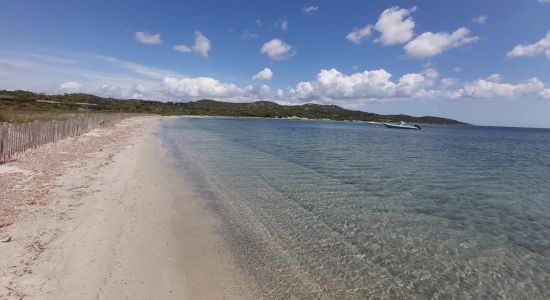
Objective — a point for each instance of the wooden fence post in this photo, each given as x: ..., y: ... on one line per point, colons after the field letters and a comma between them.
x: 16, y: 138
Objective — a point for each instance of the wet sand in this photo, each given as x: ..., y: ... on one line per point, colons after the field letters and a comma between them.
x: 105, y: 216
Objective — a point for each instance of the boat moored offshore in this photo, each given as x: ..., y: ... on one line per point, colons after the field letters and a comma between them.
x: 402, y: 125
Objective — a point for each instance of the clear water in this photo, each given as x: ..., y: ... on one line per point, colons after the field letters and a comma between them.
x: 334, y: 210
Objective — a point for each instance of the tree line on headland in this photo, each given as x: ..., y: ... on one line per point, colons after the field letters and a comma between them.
x: 23, y: 105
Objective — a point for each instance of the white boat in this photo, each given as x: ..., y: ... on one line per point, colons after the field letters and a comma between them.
x: 402, y: 125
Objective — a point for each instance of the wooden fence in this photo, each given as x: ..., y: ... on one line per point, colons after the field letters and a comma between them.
x: 16, y: 138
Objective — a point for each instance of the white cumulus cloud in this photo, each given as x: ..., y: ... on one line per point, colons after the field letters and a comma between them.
x: 482, y: 88
x: 448, y: 82
x: 540, y: 47
x: 182, y: 48
x: 359, y: 34
x: 276, y: 49
x: 135, y: 91
x: 261, y: 91
x: 70, y: 86
x: 333, y: 86
x: 395, y: 26
x: 430, y: 44
x: 481, y: 19
x: 264, y: 74
x: 148, y: 38
x: 207, y: 87
x: 199, y: 87
x: 283, y: 24
x: 494, y: 78
x: 202, y: 44
x: 310, y: 10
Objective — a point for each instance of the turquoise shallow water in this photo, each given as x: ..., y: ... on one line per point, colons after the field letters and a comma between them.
x: 333, y: 210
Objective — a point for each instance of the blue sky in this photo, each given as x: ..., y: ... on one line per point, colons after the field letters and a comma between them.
x: 484, y: 62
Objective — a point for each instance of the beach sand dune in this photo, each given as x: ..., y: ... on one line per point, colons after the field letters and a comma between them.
x: 116, y: 223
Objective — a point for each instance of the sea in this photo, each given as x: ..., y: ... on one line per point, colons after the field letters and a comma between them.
x: 351, y: 210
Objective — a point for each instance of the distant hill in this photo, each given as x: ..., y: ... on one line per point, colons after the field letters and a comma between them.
x: 32, y: 102
x: 311, y: 111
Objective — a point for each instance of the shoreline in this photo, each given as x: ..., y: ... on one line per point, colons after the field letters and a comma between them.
x: 110, y: 219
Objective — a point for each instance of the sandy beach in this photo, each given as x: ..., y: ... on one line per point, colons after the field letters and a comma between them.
x: 104, y: 216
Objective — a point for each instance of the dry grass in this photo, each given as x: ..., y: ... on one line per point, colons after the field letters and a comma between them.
x: 11, y: 116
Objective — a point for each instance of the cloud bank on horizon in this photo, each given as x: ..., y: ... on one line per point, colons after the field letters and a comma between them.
x: 392, y: 54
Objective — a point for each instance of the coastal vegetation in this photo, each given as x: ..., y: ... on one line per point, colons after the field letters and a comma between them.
x: 23, y: 106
